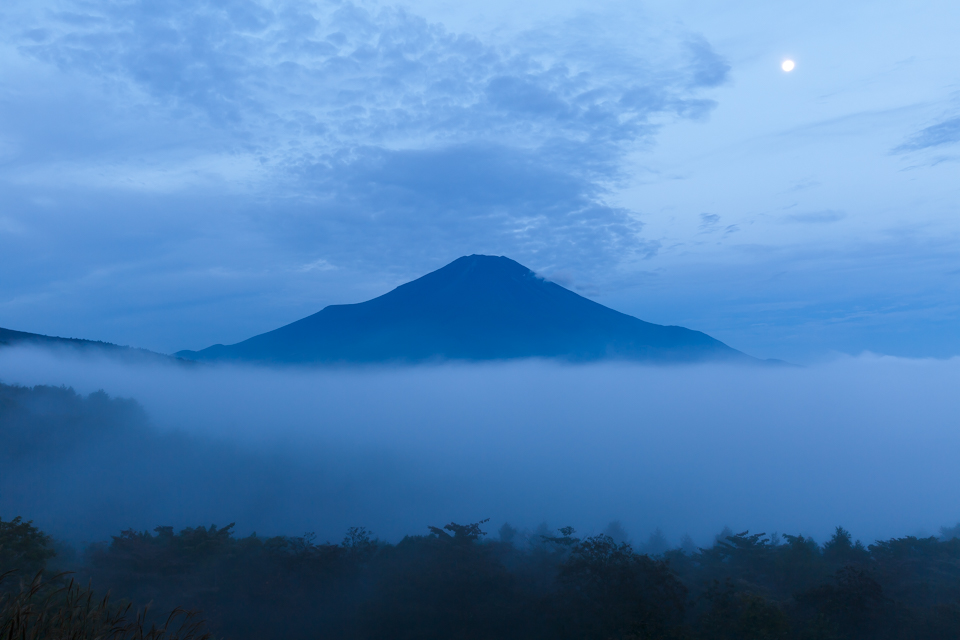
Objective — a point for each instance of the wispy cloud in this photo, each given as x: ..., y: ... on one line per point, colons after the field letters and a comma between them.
x: 946, y: 132
x: 297, y: 79
x: 708, y: 221
x: 815, y: 217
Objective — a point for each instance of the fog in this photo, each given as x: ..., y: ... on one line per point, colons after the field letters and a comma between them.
x: 869, y: 443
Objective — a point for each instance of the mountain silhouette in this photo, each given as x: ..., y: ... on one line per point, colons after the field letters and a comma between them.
x: 11, y: 338
x: 475, y: 308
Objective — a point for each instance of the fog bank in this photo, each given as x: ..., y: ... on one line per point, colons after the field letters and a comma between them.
x: 869, y: 443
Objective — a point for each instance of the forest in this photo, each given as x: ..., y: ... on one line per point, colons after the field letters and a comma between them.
x: 472, y: 580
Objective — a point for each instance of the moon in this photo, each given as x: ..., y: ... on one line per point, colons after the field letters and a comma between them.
x: 788, y: 65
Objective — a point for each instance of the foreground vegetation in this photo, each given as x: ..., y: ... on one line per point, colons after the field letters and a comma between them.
x: 59, y: 608
x: 455, y: 582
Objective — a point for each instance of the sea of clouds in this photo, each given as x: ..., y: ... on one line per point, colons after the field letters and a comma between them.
x: 868, y: 442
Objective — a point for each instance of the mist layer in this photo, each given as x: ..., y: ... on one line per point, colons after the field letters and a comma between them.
x: 868, y: 443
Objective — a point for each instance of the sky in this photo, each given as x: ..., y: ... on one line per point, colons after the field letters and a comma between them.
x: 178, y: 174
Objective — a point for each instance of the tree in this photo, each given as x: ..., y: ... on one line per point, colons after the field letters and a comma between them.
x: 609, y: 591
x: 23, y: 547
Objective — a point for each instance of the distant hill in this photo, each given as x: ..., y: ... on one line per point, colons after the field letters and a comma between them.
x: 9, y: 338
x: 475, y: 308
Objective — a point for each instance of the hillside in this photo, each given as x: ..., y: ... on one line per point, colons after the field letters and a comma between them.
x: 11, y: 338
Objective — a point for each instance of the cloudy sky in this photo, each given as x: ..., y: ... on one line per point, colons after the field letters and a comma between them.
x: 175, y: 174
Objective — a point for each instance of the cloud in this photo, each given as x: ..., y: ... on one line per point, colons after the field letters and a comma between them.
x: 317, y: 265
x: 946, y: 132
x: 295, y: 78
x: 300, y: 89
x: 816, y: 217
x: 708, y: 221
x: 496, y: 197
x: 707, y: 68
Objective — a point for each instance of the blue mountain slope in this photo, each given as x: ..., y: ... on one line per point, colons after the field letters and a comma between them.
x: 11, y: 338
x: 475, y: 308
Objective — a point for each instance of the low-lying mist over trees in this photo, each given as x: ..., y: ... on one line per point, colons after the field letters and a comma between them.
x: 868, y: 443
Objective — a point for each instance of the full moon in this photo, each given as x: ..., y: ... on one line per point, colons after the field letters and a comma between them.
x: 788, y: 65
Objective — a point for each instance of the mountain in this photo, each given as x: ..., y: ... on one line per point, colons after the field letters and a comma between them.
x: 10, y: 338
x: 475, y: 308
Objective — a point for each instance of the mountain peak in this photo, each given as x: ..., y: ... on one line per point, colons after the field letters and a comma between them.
x: 474, y: 269
x: 482, y: 261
